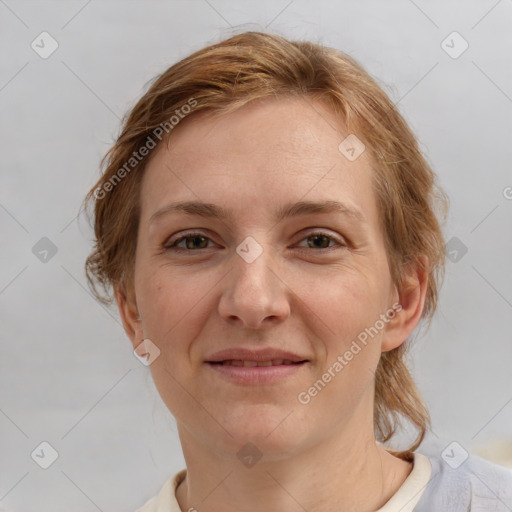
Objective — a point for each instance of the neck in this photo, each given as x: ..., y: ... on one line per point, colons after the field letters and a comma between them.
x: 339, y: 474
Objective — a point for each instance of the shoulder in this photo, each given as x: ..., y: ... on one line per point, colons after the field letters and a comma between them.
x: 473, y: 484
x: 165, y: 501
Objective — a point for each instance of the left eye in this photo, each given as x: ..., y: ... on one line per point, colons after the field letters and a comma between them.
x: 321, y: 240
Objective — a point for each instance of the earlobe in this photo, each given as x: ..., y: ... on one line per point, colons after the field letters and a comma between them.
x: 129, y: 315
x: 411, y: 297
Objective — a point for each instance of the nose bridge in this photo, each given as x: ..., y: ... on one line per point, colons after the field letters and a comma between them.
x: 253, y: 293
x: 252, y: 262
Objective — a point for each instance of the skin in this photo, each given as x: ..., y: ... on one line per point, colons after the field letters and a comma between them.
x: 295, y: 296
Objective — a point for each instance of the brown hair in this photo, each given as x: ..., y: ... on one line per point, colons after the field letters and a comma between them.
x: 223, y: 77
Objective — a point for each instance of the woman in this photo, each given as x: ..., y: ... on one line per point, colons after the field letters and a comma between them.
x: 270, y: 231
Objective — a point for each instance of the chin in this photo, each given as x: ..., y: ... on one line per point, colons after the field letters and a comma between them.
x: 271, y: 429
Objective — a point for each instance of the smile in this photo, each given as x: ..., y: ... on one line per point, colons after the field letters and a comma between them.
x: 238, y: 362
x: 247, y: 372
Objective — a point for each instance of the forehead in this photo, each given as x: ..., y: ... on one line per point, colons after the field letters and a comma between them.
x: 292, y: 127
x: 266, y: 152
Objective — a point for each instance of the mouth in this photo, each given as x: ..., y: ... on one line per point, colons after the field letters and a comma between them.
x: 243, y: 372
x: 250, y: 363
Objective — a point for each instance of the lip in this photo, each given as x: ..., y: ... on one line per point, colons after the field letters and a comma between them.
x: 244, y: 354
x: 256, y: 374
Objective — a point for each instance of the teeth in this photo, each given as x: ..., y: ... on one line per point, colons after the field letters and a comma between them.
x: 273, y: 362
x: 263, y: 363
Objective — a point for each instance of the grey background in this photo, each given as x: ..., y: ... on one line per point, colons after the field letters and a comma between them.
x: 67, y: 372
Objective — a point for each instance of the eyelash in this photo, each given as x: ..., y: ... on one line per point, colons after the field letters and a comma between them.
x: 173, y: 246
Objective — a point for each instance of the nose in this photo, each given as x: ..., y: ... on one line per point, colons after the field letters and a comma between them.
x: 254, y: 295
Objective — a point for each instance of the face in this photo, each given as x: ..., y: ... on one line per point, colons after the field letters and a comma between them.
x: 308, y: 283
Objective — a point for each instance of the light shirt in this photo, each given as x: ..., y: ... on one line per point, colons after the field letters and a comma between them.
x: 434, y: 485
x: 403, y: 500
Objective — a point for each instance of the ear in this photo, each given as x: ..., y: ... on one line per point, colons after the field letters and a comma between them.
x: 411, y: 298
x: 129, y: 314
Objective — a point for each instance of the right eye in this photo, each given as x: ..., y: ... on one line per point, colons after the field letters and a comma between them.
x: 192, y: 242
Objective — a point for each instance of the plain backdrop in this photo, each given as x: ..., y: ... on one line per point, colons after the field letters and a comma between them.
x: 68, y: 376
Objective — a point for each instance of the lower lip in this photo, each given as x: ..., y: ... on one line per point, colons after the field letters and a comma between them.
x: 256, y: 374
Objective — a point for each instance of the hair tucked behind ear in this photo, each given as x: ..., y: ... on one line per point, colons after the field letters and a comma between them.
x: 396, y: 395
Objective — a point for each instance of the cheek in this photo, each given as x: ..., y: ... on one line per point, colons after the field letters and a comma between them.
x: 346, y: 304
x: 175, y: 305
x: 343, y: 300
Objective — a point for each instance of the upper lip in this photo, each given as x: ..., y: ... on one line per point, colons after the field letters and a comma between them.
x: 244, y: 354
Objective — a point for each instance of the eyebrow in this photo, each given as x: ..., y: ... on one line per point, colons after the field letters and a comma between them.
x: 209, y: 210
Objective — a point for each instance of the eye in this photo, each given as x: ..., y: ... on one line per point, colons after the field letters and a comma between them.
x: 192, y: 241
x: 321, y: 240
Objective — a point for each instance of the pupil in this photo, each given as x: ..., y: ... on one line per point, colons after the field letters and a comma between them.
x: 193, y: 240
x: 322, y: 245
